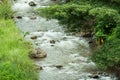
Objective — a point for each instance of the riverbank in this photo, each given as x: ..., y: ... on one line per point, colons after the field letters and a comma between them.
x: 14, y: 61
x: 101, y: 19
x: 67, y: 55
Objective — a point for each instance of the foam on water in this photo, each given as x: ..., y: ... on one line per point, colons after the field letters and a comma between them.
x: 68, y: 51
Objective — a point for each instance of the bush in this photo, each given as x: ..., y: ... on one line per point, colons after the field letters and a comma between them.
x: 89, y: 15
x: 106, y: 20
x: 83, y: 16
x: 108, y: 56
x: 71, y: 15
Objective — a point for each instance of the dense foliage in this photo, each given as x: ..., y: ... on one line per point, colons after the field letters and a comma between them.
x: 84, y: 16
x: 14, y: 61
x: 72, y: 15
x: 108, y: 56
x: 99, y: 16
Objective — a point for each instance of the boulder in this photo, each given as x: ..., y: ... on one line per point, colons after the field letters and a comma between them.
x: 32, y: 3
x: 37, y: 53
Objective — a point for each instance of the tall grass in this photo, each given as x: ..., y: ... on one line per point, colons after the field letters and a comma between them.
x: 14, y: 61
x: 5, y: 10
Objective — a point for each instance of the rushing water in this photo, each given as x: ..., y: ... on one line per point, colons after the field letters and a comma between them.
x: 67, y: 59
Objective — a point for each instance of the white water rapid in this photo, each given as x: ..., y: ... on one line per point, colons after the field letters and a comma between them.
x: 67, y: 59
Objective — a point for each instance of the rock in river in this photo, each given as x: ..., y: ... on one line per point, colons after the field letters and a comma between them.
x: 59, y: 66
x: 33, y: 37
x: 19, y: 17
x: 37, y: 53
x: 33, y: 17
x: 52, y: 41
x: 32, y: 3
x: 95, y: 76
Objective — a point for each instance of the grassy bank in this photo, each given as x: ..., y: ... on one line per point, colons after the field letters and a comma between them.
x: 14, y: 61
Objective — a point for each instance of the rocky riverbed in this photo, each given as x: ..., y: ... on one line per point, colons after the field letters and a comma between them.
x: 60, y: 55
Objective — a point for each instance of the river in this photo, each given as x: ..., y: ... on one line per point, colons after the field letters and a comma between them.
x: 68, y: 57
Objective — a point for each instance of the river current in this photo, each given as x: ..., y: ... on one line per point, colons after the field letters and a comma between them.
x: 67, y: 58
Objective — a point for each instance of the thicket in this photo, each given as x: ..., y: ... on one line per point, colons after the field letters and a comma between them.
x: 101, y: 17
x: 14, y: 61
x: 84, y: 16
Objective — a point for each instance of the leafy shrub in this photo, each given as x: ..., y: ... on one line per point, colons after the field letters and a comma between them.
x: 71, y: 15
x: 84, y: 16
x: 116, y: 33
x: 106, y: 20
x: 107, y: 1
x: 108, y: 56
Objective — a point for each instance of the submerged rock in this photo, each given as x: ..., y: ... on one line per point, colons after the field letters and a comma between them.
x: 52, y: 45
x: 64, y: 38
x: 33, y: 17
x: 37, y: 53
x: 58, y: 66
x: 32, y: 3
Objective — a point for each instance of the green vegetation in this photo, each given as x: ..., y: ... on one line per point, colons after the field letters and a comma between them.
x: 5, y: 10
x: 14, y: 61
x: 108, y: 56
x: 100, y: 17
x: 84, y: 16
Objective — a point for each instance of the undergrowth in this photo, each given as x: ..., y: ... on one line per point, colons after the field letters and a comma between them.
x: 14, y: 61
